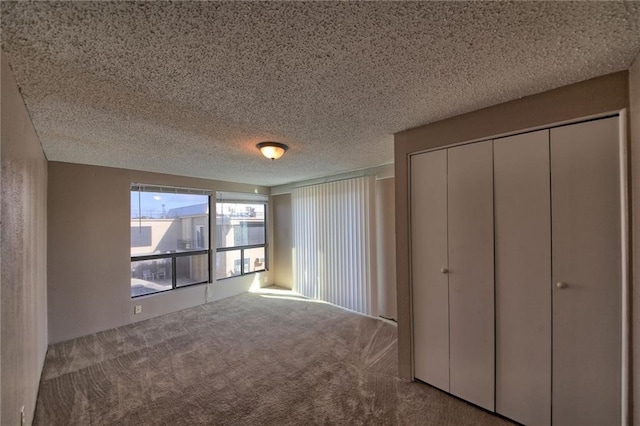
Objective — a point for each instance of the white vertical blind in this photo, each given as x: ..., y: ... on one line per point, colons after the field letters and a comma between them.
x: 334, y: 243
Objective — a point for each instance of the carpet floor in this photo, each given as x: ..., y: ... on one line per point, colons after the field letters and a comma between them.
x: 253, y: 359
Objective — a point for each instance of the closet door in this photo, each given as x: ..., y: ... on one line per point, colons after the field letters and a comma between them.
x: 471, y: 287
x: 428, y: 258
x: 586, y: 273
x: 523, y: 277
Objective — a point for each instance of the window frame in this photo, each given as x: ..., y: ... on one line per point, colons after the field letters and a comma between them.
x: 242, y: 248
x: 173, y: 256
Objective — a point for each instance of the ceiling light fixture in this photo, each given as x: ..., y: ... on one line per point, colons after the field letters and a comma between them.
x: 272, y: 150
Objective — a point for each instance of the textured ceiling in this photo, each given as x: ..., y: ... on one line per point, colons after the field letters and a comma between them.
x: 189, y: 88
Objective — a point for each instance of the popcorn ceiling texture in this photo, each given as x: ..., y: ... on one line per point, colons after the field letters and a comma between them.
x: 189, y: 88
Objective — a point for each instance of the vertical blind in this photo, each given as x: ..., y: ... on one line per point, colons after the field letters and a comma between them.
x: 334, y: 243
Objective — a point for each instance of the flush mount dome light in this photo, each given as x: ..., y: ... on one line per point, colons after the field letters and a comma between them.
x: 272, y: 150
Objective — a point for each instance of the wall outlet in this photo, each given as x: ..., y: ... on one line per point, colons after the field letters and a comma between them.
x: 22, y: 419
x: 137, y: 310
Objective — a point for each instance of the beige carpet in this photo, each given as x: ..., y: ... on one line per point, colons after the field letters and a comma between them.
x: 254, y: 359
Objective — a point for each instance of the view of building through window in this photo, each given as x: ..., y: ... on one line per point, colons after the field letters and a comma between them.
x: 169, y: 238
x: 240, y: 237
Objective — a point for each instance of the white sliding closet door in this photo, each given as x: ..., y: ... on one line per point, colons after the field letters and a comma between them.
x: 586, y: 243
x: 471, y: 286
x: 429, y: 258
x: 523, y: 277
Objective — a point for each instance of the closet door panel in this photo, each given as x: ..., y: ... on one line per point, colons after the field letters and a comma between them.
x: 587, y: 265
x: 471, y: 287
x: 523, y: 277
x: 428, y: 257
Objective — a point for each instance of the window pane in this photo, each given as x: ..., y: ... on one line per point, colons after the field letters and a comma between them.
x: 254, y: 260
x: 150, y: 276
x: 168, y: 223
x: 192, y: 269
x: 141, y: 236
x: 228, y: 264
x: 239, y: 224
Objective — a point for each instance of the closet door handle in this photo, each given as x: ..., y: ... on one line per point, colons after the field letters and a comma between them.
x: 561, y: 285
x: 444, y: 270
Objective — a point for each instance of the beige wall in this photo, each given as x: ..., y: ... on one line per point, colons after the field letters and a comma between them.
x: 602, y: 94
x: 282, y: 241
x: 634, y: 101
x: 386, y: 243
x: 23, y: 288
x: 89, y: 251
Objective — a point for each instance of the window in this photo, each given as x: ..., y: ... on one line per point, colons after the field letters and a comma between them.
x: 169, y: 238
x: 200, y: 236
x: 141, y: 236
x: 241, y: 243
